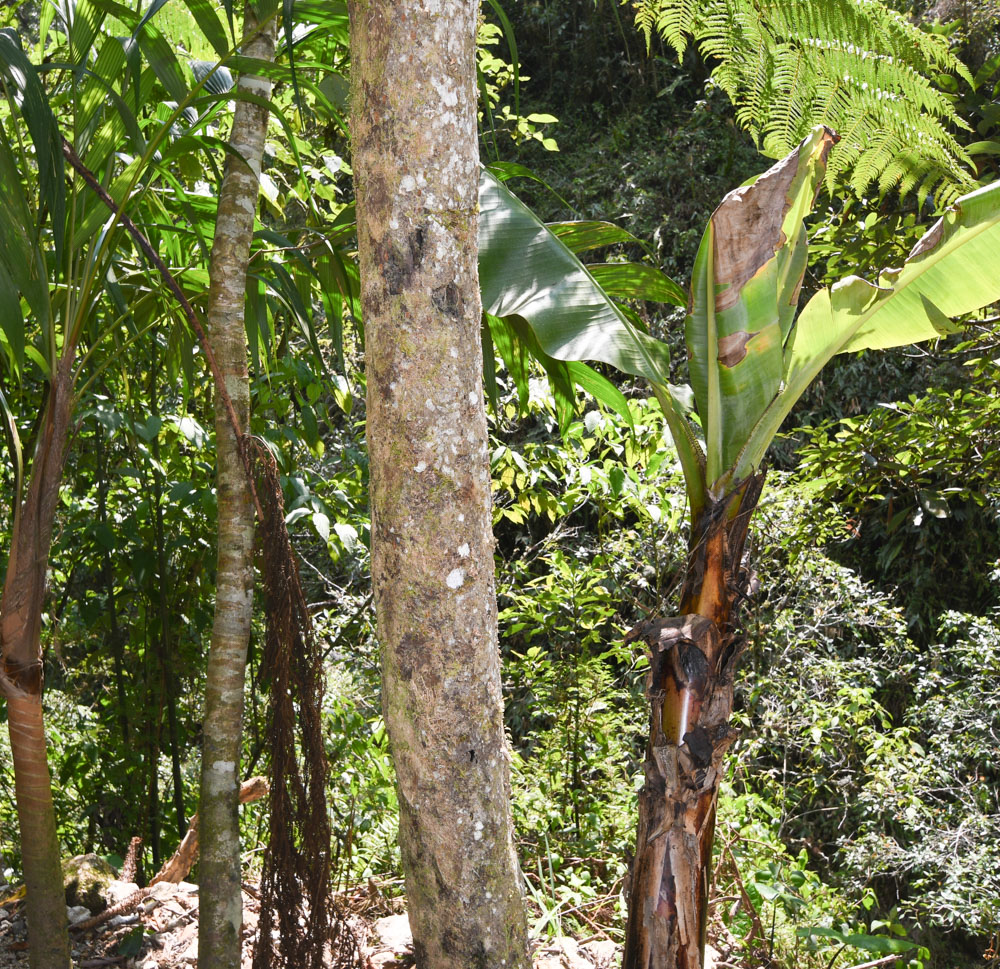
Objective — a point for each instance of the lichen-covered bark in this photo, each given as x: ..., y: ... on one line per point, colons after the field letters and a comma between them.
x: 692, y: 658
x: 21, y: 679
x: 221, y: 914
x: 415, y: 158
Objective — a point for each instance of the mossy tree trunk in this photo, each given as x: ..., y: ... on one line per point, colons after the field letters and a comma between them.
x: 221, y: 914
x: 415, y: 157
x: 21, y: 678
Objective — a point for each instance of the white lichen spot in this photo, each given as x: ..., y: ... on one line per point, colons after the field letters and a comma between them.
x: 472, y: 397
x: 407, y: 183
x: 453, y: 352
x: 461, y: 518
x: 429, y: 404
x: 420, y: 467
x: 446, y: 91
x: 463, y: 550
x: 224, y: 766
x: 456, y: 578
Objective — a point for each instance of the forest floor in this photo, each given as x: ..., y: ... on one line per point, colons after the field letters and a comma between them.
x: 162, y: 931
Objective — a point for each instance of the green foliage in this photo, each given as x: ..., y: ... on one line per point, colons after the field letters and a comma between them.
x: 916, y: 479
x: 859, y: 68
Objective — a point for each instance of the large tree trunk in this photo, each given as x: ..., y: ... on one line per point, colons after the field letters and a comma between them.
x: 221, y: 917
x: 21, y: 680
x: 690, y: 691
x: 415, y: 156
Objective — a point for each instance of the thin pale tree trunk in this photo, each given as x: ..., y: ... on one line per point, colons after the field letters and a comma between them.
x: 21, y: 680
x: 690, y: 691
x: 415, y: 157
x: 221, y: 914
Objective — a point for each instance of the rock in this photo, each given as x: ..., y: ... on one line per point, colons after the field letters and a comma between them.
x: 394, y: 942
x: 87, y: 878
x: 163, y: 891
x: 393, y: 932
x: 118, y: 891
x: 77, y: 913
x: 562, y: 952
x: 603, y: 953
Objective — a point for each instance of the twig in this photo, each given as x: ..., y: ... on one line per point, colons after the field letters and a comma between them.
x: 884, y: 961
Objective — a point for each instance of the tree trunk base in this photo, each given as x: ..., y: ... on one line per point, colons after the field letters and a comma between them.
x: 45, y: 902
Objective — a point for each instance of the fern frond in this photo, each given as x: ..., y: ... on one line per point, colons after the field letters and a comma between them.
x: 854, y: 65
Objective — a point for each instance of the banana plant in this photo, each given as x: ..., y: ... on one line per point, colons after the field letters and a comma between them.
x: 750, y: 359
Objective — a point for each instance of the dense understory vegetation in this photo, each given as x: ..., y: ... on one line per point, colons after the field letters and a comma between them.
x: 861, y: 815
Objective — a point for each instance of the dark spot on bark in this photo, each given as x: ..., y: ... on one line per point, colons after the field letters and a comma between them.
x: 412, y: 655
x: 448, y: 299
x: 694, y: 663
x: 700, y: 745
x: 25, y: 676
x: 472, y: 954
x: 419, y: 954
x: 733, y: 348
x: 398, y: 262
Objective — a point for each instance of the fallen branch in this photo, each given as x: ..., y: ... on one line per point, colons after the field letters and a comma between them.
x: 176, y: 868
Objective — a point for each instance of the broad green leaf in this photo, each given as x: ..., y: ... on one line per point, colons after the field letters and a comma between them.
x: 814, y: 340
x: 217, y: 78
x: 524, y: 270
x: 20, y: 257
x: 744, y: 287
x: 86, y: 19
x: 954, y: 269
x: 600, y: 388
x: 634, y: 280
x: 11, y: 320
x: 512, y: 352
x: 581, y: 236
x: 108, y: 68
x: 161, y: 55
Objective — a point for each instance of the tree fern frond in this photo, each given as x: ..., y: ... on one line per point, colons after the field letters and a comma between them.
x: 854, y: 65
x: 673, y: 21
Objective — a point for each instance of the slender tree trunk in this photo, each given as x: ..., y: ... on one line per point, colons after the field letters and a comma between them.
x: 690, y: 691
x: 108, y: 575
x: 415, y: 157
x: 165, y: 646
x: 21, y: 680
x: 221, y: 918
